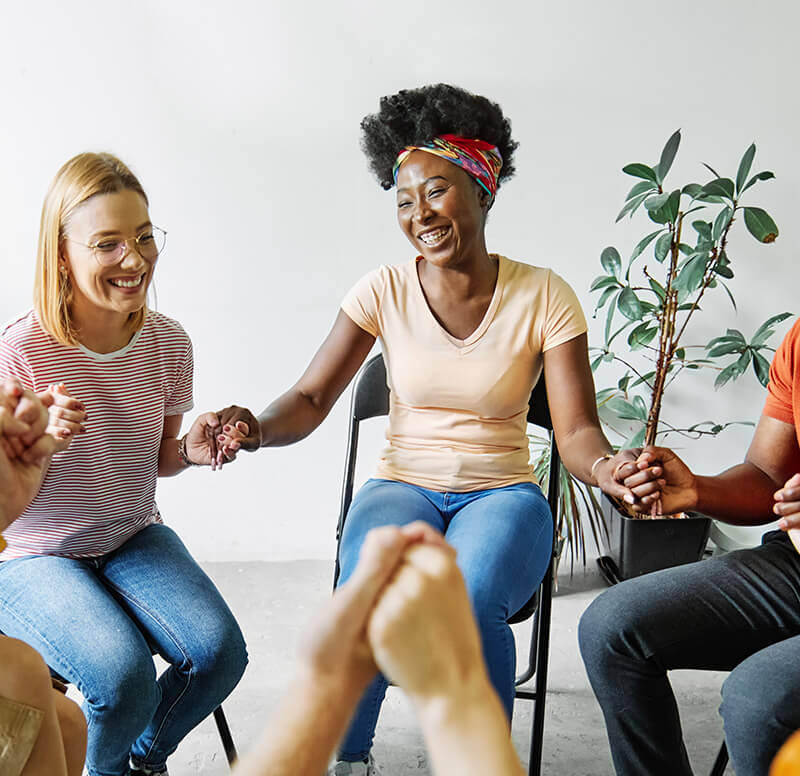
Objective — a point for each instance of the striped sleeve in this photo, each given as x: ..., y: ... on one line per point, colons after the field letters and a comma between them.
x: 181, y: 399
x: 14, y: 364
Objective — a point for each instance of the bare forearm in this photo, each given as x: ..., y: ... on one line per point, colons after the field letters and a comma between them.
x: 305, y: 729
x: 467, y: 733
x: 742, y: 495
x: 580, y: 448
x: 290, y: 418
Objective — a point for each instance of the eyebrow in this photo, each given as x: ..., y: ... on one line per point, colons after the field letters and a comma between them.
x: 427, y: 180
x: 108, y: 232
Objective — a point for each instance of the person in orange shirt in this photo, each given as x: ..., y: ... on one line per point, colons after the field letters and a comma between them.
x: 737, y: 612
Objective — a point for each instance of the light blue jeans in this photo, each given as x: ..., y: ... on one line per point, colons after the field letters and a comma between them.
x: 95, y: 622
x: 503, y: 539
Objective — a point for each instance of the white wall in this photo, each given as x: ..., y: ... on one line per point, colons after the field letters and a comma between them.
x: 241, y: 120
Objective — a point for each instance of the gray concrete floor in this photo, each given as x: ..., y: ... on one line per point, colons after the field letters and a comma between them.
x: 274, y: 603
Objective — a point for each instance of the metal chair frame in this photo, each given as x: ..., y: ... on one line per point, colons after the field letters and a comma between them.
x: 370, y: 399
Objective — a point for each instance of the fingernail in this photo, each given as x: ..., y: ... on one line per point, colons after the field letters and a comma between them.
x: 783, y: 525
x: 226, y: 427
x: 628, y: 498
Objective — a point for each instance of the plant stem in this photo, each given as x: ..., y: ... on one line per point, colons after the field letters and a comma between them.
x: 666, y: 346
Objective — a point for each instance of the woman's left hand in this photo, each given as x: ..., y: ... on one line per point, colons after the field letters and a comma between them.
x: 621, y: 477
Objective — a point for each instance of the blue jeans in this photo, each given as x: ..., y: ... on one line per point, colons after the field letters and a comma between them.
x: 95, y: 622
x: 738, y: 613
x: 503, y: 539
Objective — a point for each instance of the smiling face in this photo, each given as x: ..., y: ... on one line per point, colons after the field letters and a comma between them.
x: 99, y: 292
x: 441, y: 209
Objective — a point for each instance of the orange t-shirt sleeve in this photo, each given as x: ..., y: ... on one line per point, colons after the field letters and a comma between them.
x: 362, y: 302
x: 780, y: 389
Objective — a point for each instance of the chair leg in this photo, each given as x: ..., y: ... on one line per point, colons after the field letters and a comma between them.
x: 225, y: 735
x: 722, y: 760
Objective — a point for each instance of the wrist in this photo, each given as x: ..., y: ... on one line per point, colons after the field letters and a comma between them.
x: 441, y: 705
x: 603, y: 460
x: 183, y: 455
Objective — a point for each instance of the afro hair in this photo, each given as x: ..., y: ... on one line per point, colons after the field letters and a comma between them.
x: 413, y: 117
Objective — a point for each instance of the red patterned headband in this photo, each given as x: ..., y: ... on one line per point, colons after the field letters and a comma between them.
x: 480, y: 159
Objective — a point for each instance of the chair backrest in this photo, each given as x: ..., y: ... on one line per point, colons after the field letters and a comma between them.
x: 370, y: 399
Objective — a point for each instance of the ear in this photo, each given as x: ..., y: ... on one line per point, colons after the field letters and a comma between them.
x: 484, y: 198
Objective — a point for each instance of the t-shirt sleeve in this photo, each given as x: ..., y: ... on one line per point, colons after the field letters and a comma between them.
x: 362, y: 302
x: 565, y: 319
x: 14, y: 364
x: 779, y: 404
x: 181, y: 398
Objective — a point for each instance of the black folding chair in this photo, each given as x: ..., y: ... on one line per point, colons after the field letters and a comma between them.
x: 370, y: 399
x: 722, y: 760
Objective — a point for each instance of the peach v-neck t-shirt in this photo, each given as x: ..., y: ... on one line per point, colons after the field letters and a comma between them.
x: 458, y: 408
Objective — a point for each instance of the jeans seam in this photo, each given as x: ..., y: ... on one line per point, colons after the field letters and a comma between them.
x: 146, y: 610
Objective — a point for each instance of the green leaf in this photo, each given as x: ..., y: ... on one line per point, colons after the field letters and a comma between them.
x: 668, y: 212
x: 641, y: 407
x: 595, y: 363
x: 657, y: 201
x: 643, y: 243
x: 631, y: 206
x: 762, y: 176
x: 721, y: 187
x: 610, y: 315
x: 685, y: 249
x: 730, y: 296
x: 637, y: 440
x: 639, y: 170
x: 604, y: 297
x: 734, y: 370
x: 629, y: 304
x: 692, y: 189
x: 744, y: 167
x: 703, y: 229
x: 761, y: 368
x: 623, y: 382
x: 642, y: 335
x: 642, y: 187
x: 680, y: 353
x: 711, y: 170
x: 663, y: 244
x: 658, y: 289
x: 720, y: 222
x: 760, y: 224
x: 645, y: 378
x: 611, y: 261
x: 602, y: 281
x: 691, y: 276
x: 725, y: 349
x: 668, y: 154
x: 723, y: 270
x: 765, y: 331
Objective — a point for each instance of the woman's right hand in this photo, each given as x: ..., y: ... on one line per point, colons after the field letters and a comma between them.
x: 67, y: 417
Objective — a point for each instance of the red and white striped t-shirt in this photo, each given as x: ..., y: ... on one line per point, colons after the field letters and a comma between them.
x: 101, y: 490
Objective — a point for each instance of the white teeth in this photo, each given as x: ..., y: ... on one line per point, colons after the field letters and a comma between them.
x: 431, y: 238
x: 127, y: 283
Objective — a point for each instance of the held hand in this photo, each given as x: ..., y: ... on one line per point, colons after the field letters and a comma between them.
x: 201, y: 441
x: 787, y: 504
x: 660, y: 479
x: 337, y: 650
x: 240, y: 431
x: 20, y: 476
x: 67, y: 417
x: 609, y: 480
x: 423, y: 633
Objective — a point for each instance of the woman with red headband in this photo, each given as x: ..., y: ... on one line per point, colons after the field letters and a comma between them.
x: 465, y: 334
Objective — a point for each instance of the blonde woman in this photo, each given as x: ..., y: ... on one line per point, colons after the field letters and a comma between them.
x: 91, y: 577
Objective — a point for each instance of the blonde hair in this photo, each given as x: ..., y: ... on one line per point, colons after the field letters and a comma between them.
x: 82, y: 177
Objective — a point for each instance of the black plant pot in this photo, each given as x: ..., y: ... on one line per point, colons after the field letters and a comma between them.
x: 637, y: 547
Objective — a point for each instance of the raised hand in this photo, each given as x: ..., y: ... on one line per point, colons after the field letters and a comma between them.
x: 23, y: 422
x: 67, y: 416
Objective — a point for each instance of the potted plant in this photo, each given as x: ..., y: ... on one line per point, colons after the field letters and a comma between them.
x: 649, y: 303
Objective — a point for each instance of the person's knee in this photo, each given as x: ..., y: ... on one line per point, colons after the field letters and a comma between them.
x: 752, y: 700
x: 221, y: 657
x: 128, y: 687
x: 603, y: 627
x: 24, y: 677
